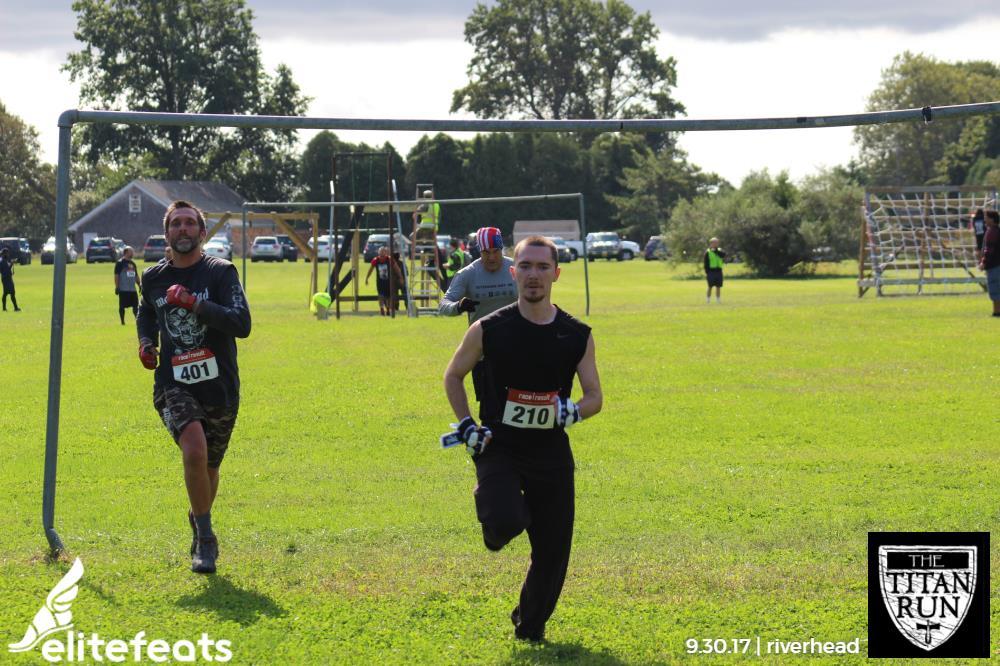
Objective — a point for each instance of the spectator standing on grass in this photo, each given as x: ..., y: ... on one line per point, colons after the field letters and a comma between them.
x: 7, y: 278
x: 977, y: 223
x: 713, y: 269
x: 401, y: 290
x: 127, y: 284
x: 991, y: 258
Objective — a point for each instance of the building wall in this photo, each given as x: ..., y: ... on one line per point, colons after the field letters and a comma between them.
x: 119, y: 221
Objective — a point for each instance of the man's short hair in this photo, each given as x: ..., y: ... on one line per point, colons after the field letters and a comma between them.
x: 993, y: 215
x: 538, y: 241
x: 454, y: 242
x: 180, y: 203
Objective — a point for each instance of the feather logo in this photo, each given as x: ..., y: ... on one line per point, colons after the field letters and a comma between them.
x: 55, y: 614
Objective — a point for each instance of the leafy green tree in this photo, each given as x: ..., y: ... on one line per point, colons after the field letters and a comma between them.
x: 27, y: 185
x: 565, y: 59
x: 185, y: 56
x: 657, y: 182
x: 760, y: 220
x: 829, y: 206
x: 938, y: 152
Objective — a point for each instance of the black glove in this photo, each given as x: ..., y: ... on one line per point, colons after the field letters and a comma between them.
x: 116, y: 291
x: 467, y: 305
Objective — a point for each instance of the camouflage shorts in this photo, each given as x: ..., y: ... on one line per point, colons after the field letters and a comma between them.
x: 178, y: 408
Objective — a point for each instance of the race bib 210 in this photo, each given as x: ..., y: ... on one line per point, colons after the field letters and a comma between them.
x: 530, y: 409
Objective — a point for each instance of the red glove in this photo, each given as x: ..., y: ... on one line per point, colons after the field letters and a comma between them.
x: 148, y: 355
x: 179, y: 295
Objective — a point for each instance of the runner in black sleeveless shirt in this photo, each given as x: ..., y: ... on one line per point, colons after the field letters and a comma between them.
x: 531, y: 351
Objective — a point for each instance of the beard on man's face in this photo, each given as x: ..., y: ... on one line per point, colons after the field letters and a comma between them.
x: 183, y: 245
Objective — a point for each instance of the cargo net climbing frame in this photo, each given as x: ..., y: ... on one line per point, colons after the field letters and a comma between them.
x: 919, y: 240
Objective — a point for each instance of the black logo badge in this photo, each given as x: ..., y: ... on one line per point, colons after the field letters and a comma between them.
x: 928, y: 594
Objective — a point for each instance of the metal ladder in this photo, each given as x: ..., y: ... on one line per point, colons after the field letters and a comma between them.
x: 425, y: 269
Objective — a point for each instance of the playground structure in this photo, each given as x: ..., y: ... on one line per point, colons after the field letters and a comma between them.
x: 283, y: 221
x: 336, y: 284
x: 917, y: 240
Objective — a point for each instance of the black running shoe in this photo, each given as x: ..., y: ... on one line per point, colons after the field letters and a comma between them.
x: 519, y: 633
x: 203, y: 560
x: 194, y: 531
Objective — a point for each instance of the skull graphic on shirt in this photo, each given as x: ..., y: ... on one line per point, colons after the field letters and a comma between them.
x: 186, y: 332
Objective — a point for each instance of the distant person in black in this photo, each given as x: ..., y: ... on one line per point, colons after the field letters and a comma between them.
x: 7, y: 278
x: 977, y: 222
x: 194, y: 306
x: 127, y: 284
x: 990, y: 261
x: 531, y: 351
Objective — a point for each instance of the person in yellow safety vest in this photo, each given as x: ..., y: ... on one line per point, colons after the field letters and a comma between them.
x: 428, y: 219
x: 713, y: 269
x: 456, y: 262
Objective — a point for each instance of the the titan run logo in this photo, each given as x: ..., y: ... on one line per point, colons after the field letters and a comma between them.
x: 56, y: 616
x: 927, y: 590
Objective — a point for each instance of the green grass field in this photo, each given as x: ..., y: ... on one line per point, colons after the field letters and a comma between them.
x: 744, y: 452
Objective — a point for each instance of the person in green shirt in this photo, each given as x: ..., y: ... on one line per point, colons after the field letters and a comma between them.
x: 456, y: 262
x: 428, y: 219
x: 713, y: 269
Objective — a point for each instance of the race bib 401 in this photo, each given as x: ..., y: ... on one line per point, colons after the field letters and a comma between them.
x: 530, y: 409
x: 195, y: 366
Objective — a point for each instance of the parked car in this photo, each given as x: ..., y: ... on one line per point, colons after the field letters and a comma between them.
x: 656, y: 248
x: 288, y: 249
x: 265, y: 248
x: 375, y: 241
x: 630, y: 249
x: 323, y: 248
x: 18, y: 249
x: 608, y: 245
x: 103, y: 249
x: 565, y: 254
x: 155, y: 248
x: 48, y: 255
x: 219, y: 248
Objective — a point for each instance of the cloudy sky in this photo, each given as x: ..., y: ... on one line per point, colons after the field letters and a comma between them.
x: 735, y: 58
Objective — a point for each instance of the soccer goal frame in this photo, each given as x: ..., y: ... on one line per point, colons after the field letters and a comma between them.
x: 917, y: 241
x: 73, y: 117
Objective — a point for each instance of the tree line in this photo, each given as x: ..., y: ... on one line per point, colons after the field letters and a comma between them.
x: 543, y: 59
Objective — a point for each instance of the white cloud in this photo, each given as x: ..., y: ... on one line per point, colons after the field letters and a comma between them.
x: 790, y: 73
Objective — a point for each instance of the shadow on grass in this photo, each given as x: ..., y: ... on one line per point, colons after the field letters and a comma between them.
x: 232, y: 603
x: 559, y: 653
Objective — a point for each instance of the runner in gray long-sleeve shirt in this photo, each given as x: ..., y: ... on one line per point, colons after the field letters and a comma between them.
x: 485, y: 285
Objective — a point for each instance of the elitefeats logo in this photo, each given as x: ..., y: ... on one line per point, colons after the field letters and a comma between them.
x: 933, y: 588
x: 56, y: 616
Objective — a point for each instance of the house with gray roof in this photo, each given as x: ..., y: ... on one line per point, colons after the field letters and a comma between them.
x: 136, y: 211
